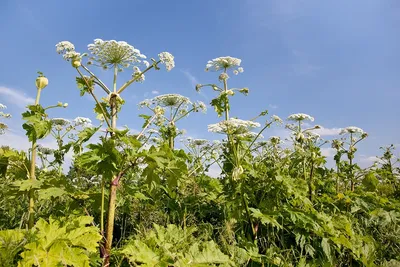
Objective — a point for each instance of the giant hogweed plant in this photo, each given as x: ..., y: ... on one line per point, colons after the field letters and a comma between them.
x: 115, y: 56
x: 275, y: 205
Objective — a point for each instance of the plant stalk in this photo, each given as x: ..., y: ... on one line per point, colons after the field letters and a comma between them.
x: 32, y: 176
x: 114, y: 182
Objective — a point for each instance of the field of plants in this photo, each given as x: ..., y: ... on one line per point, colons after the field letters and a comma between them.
x: 146, y: 198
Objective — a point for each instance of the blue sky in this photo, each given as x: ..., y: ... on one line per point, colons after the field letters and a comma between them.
x: 338, y: 60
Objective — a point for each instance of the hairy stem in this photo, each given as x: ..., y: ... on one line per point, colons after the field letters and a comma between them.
x: 32, y: 176
x: 113, y: 185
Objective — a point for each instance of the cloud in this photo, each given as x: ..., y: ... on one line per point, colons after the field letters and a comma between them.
x: 272, y: 106
x: 327, y: 131
x: 302, y: 64
x: 328, y: 152
x: 16, y: 97
x: 155, y: 92
x: 214, y: 171
x: 193, y: 80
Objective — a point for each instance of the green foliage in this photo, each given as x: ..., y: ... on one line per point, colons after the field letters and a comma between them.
x: 37, y: 125
x: 67, y: 242
x: 174, y: 246
x: 11, y: 244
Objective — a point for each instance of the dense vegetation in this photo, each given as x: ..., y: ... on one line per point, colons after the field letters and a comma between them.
x: 146, y: 200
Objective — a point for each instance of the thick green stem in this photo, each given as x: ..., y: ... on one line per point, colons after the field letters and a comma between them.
x: 102, y: 208
x: 110, y: 223
x: 113, y: 185
x: 337, y: 178
x: 226, y: 101
x: 32, y: 176
x: 310, y: 182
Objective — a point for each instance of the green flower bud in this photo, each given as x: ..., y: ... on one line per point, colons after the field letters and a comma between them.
x: 41, y: 81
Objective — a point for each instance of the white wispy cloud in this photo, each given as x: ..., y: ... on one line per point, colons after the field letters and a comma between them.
x: 15, y: 97
x: 328, y: 152
x: 272, y: 106
x: 193, y: 82
x: 192, y: 79
x: 327, y: 131
x: 302, y: 64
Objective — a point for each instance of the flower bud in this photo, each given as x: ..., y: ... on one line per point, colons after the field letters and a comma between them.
x: 41, y: 81
x: 300, y: 137
x: 237, y: 172
x: 223, y: 77
x: 198, y: 86
x: 244, y: 90
x: 59, y: 104
x: 159, y: 111
x: 230, y: 92
x: 76, y: 63
x: 65, y: 105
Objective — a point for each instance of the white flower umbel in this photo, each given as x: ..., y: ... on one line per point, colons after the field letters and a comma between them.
x: 44, y: 150
x: 200, y: 106
x: 3, y: 127
x: 60, y: 121
x: 223, y: 63
x: 233, y: 126
x: 67, y: 49
x: 81, y: 121
x: 137, y: 72
x: 64, y: 47
x: 171, y: 100
x: 114, y: 53
x: 276, y: 118
x: 352, y: 130
x: 300, y: 117
x: 198, y: 142
x: 275, y: 139
x: 167, y: 59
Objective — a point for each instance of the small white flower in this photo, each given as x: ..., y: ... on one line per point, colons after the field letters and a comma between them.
x: 222, y: 63
x: 235, y: 72
x: 223, y: 76
x: 240, y: 69
x: 138, y: 74
x: 2, y: 106
x: 276, y: 119
x: 167, y: 59
x: 145, y: 103
x: 201, y: 106
x: 146, y: 63
x: 300, y: 117
x: 3, y: 127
